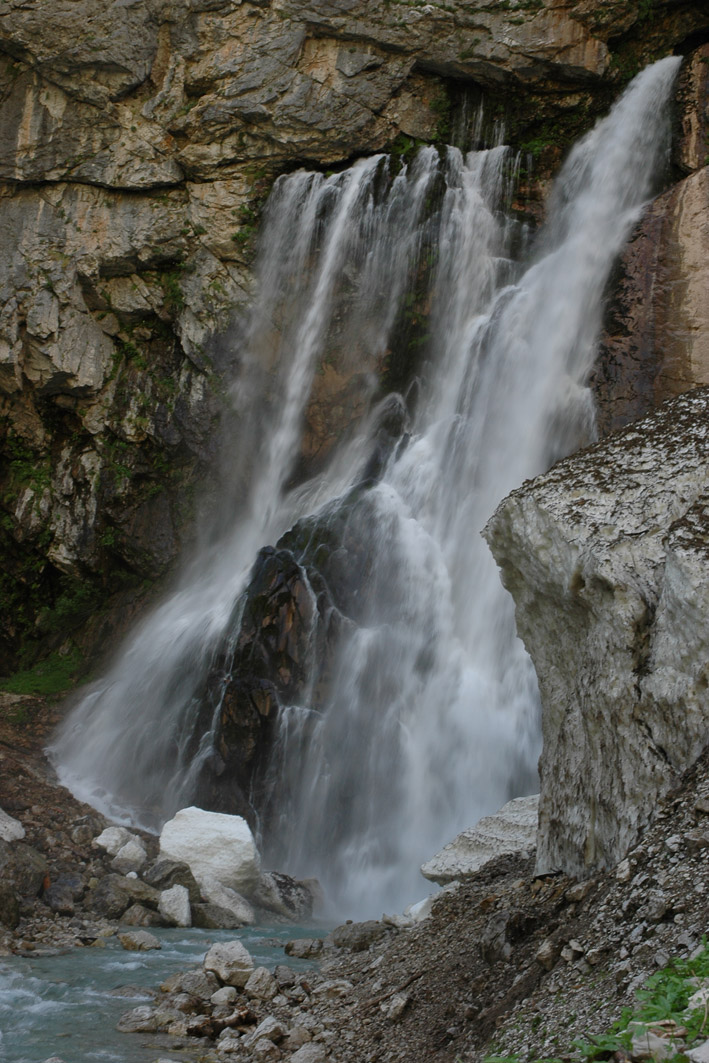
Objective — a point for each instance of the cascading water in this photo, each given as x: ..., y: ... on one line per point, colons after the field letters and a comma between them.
x: 431, y: 719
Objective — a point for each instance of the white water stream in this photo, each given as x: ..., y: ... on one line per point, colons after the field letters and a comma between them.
x: 432, y: 720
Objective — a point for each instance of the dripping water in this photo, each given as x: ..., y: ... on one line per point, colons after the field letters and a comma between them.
x: 432, y: 714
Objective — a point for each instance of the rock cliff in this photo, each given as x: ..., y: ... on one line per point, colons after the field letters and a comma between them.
x: 606, y: 558
x: 656, y: 342
x: 137, y: 143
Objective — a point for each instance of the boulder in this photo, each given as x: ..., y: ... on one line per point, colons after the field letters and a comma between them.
x: 228, y: 900
x: 359, y: 936
x: 215, y: 846
x: 139, y: 915
x: 606, y: 558
x: 116, y: 893
x: 164, y: 874
x: 212, y: 917
x: 310, y: 1053
x: 261, y: 985
x: 23, y: 868
x: 114, y: 838
x: 230, y: 962
x: 138, y: 1020
x: 200, y: 984
x: 11, y: 830
x: 303, y: 948
x: 130, y: 857
x: 271, y: 1029
x: 284, y: 895
x: 174, y: 906
x: 510, y: 830
x: 139, y: 941
x: 59, y: 898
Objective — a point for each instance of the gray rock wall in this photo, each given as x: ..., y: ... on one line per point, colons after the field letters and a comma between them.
x: 606, y: 559
x: 137, y: 143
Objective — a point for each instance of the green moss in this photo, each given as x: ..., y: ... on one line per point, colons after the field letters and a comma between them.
x: 54, y: 675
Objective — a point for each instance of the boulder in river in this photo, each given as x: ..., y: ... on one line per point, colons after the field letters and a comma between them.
x: 231, y: 962
x: 215, y: 846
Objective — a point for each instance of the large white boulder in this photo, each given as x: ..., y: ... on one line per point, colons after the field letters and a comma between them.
x: 511, y: 830
x: 215, y: 846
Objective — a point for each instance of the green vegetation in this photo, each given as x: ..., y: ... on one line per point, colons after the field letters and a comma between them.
x: 54, y: 675
x: 663, y: 1004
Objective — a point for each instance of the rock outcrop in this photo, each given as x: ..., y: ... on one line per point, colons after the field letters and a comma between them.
x: 606, y: 558
x: 512, y: 829
x: 656, y: 341
x: 137, y: 144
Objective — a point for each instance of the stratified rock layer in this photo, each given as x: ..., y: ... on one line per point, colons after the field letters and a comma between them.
x: 138, y: 142
x: 512, y: 829
x: 606, y: 558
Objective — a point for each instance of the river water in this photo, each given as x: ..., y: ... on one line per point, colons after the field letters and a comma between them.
x: 67, y: 1005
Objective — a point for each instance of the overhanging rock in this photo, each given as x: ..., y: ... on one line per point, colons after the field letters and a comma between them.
x: 607, y: 558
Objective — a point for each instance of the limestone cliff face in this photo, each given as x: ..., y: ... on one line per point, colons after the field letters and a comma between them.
x: 606, y: 558
x: 137, y: 142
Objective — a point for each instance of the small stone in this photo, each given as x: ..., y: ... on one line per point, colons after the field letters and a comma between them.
x: 112, y: 839
x: 261, y: 985
x: 312, y: 1053
x: 580, y: 890
x: 231, y: 963
x: 226, y: 995
x: 271, y: 1029
x: 304, y: 948
x: 297, y: 1037
x: 396, y: 1006
x: 138, y: 1020
x: 338, y: 987
x: 702, y: 806
x: 11, y: 830
x: 673, y: 842
x: 174, y: 906
x: 547, y: 954
x: 139, y: 941
x: 130, y: 857
x: 624, y: 871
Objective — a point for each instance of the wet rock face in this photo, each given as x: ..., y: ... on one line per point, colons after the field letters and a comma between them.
x: 137, y: 144
x: 606, y: 558
x: 656, y: 341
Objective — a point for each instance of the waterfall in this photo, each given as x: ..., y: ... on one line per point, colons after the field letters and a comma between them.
x: 431, y: 714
